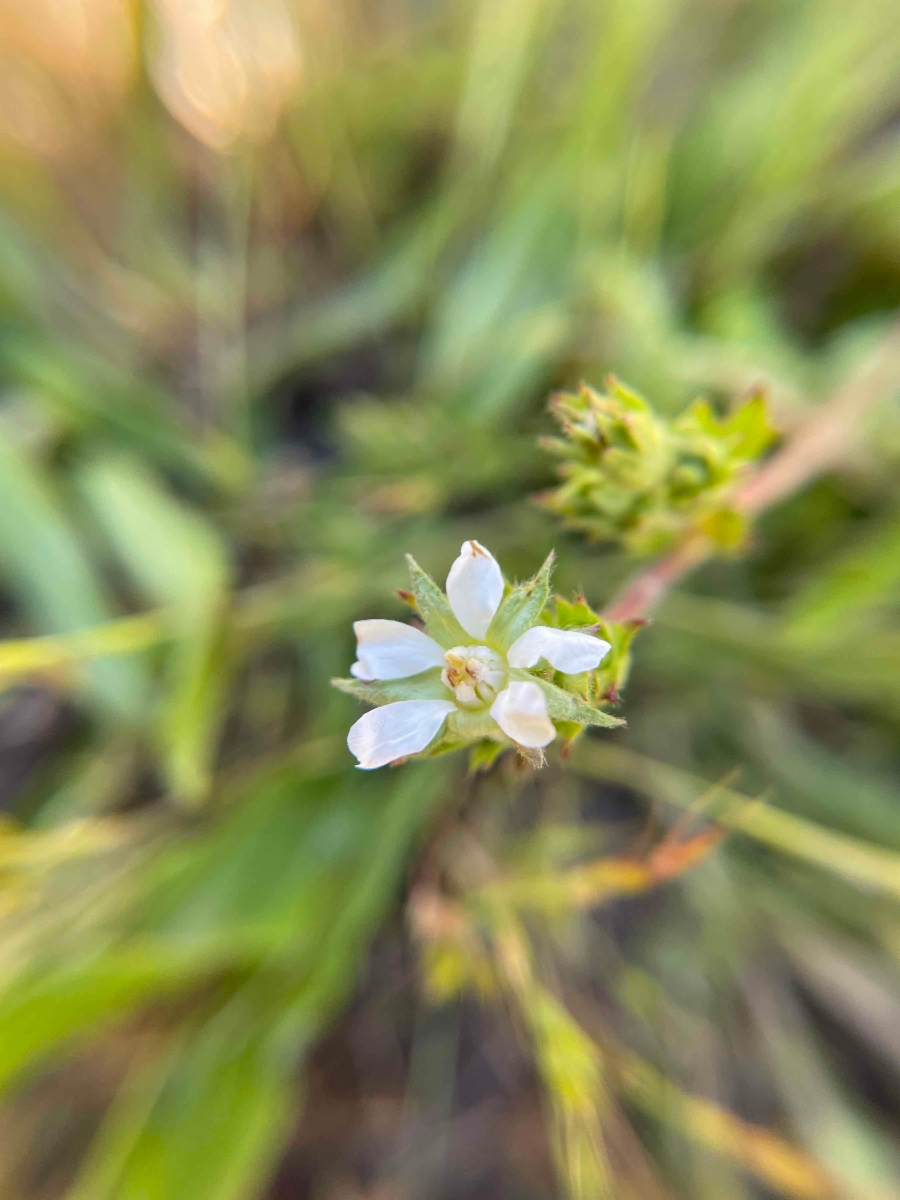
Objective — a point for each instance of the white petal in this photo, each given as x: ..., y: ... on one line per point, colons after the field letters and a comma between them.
x: 521, y: 712
x: 395, y: 730
x: 392, y: 650
x: 475, y: 588
x: 564, y: 649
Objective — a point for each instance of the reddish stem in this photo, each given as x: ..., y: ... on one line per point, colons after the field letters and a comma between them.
x: 818, y: 444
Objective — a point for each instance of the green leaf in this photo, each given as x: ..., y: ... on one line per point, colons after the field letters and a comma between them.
x: 521, y: 608
x: 173, y: 553
x: 749, y: 429
x: 83, y: 389
x: 862, y: 577
x: 231, y: 1082
x: 434, y: 609
x: 563, y: 706
x: 426, y: 685
x: 51, y: 579
x: 177, y: 558
x: 49, y: 1005
x: 575, y: 614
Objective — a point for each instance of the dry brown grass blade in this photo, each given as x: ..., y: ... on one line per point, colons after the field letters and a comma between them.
x: 766, y: 1155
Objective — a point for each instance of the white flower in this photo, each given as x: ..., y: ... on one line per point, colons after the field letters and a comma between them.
x: 483, y: 687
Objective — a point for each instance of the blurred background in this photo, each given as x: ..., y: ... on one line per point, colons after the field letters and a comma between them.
x: 284, y: 288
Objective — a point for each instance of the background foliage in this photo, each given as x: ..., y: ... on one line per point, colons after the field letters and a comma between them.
x: 284, y: 291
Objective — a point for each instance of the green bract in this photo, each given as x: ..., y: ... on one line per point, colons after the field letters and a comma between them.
x: 632, y: 477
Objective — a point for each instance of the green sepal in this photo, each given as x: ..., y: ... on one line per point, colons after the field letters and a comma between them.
x: 445, y: 743
x: 424, y: 686
x: 471, y: 724
x: 563, y: 706
x: 484, y: 754
x: 629, y: 398
x: 521, y: 608
x: 727, y: 528
x: 569, y: 731
x: 434, y: 609
x: 750, y: 428
x: 575, y: 614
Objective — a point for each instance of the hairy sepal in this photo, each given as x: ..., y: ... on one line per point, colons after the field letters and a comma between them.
x: 521, y: 608
x: 424, y: 686
x: 434, y: 609
x: 563, y: 706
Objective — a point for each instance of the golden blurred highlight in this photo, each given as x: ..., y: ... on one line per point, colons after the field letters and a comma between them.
x: 65, y: 66
x: 226, y: 68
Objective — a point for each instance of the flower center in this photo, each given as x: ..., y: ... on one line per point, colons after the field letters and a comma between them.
x: 474, y: 674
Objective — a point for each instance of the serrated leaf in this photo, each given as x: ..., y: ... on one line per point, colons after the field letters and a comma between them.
x: 563, y: 706
x: 630, y: 399
x: 576, y: 614
x: 750, y: 428
x: 424, y: 686
x: 434, y: 609
x: 521, y: 608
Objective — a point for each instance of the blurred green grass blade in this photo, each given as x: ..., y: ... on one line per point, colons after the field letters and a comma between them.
x: 48, y: 1004
x: 219, y: 1119
x: 21, y: 657
x: 201, y: 668
x: 179, y: 560
x: 272, y: 871
x: 863, y: 577
x: 173, y: 553
x: 836, y: 1127
x: 364, y: 307
x: 818, y: 781
x: 868, y: 866
x: 101, y: 1170
x: 775, y: 1162
x: 870, y: 673
x: 503, y: 34
x: 348, y: 844
x: 396, y: 824
x: 819, y: 82
x: 297, y: 879
x: 95, y: 395
x: 860, y: 991
x: 504, y: 276
x: 314, y: 852
x: 46, y: 569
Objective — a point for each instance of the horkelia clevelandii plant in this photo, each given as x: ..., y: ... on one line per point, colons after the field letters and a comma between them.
x: 492, y: 668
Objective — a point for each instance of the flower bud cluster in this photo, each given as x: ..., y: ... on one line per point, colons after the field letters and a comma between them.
x: 631, y: 476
